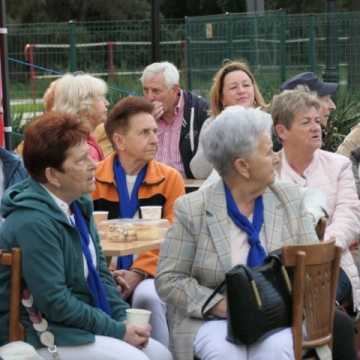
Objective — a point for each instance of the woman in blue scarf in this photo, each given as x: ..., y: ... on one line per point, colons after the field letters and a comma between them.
x: 238, y: 219
x: 70, y: 301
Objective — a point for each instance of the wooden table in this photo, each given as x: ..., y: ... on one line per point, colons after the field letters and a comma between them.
x: 121, y: 248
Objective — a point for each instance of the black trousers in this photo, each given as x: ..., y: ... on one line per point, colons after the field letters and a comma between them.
x: 344, y: 337
x: 344, y: 290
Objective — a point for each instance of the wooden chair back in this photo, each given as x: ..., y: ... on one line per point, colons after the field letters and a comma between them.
x: 13, y: 260
x: 315, y: 277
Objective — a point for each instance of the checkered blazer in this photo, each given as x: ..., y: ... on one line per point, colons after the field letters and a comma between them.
x: 196, y: 252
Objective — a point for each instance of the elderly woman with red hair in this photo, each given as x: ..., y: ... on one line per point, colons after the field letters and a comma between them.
x: 70, y: 297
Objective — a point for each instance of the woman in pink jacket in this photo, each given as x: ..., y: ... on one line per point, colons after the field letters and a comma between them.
x: 297, y: 120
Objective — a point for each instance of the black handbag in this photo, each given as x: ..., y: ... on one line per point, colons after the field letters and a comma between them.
x: 258, y: 301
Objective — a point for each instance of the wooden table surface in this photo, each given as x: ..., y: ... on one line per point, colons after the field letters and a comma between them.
x: 121, y: 248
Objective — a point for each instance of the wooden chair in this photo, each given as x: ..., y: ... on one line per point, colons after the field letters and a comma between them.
x: 13, y: 260
x: 315, y: 277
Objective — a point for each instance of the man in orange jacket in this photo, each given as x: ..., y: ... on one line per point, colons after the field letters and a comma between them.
x: 128, y: 179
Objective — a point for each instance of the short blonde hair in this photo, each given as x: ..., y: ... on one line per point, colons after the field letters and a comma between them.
x: 285, y: 105
x: 76, y: 94
x: 216, y: 91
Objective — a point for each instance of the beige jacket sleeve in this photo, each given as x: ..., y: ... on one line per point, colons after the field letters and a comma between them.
x: 351, y: 142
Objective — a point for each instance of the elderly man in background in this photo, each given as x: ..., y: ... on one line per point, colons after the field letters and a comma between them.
x: 128, y: 179
x: 296, y: 116
x: 179, y: 114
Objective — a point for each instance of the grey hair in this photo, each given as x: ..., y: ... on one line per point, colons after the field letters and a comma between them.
x: 285, y: 105
x: 169, y: 70
x: 234, y: 133
x: 75, y: 94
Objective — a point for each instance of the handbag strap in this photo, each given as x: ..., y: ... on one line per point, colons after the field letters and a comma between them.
x: 217, y: 290
x: 275, y: 257
x: 272, y: 257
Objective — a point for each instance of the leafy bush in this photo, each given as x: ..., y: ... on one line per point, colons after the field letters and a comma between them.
x: 346, y: 116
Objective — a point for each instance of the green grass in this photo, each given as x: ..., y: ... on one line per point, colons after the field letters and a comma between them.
x: 23, y: 108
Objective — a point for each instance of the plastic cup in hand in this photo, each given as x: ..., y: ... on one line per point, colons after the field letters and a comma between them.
x: 151, y: 212
x: 138, y: 316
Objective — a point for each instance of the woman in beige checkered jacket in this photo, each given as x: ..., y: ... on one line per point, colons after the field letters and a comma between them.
x: 204, y: 241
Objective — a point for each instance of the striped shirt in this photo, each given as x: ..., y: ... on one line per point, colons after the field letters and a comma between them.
x: 169, y: 138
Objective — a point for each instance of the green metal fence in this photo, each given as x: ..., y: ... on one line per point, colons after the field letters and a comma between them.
x: 276, y: 45
x: 116, y: 51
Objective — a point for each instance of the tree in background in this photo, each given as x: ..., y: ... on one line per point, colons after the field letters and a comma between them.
x: 30, y: 11
x: 305, y: 6
x: 179, y: 9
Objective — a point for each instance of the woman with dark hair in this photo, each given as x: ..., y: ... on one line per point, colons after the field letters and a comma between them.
x: 70, y: 297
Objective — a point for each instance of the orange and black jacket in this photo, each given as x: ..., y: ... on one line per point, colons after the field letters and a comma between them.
x: 162, y: 186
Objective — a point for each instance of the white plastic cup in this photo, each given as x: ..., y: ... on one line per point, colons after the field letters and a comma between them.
x: 151, y: 212
x: 138, y: 316
x: 100, y: 216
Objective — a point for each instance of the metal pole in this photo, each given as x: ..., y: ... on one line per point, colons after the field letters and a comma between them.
x: 155, y: 30
x: 331, y: 71
x: 5, y: 76
x: 188, y: 53
x: 283, y: 53
x: 72, y: 46
x: 255, y: 6
x: 312, y: 46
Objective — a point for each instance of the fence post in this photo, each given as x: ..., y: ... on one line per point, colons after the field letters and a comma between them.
x: 353, y: 70
x: 29, y: 56
x: 312, y: 48
x: 110, y: 60
x: 331, y: 71
x: 188, y: 54
x: 254, y: 41
x: 283, y: 30
x: 229, y: 36
x: 72, y: 46
x: 155, y: 30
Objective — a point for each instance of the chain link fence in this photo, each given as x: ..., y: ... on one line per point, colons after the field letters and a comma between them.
x: 115, y: 51
x: 276, y: 46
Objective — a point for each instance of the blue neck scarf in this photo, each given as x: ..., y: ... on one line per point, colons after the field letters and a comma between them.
x: 93, y: 281
x: 128, y: 204
x: 257, y: 253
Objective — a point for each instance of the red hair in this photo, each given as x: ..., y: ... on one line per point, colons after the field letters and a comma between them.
x: 47, y: 140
